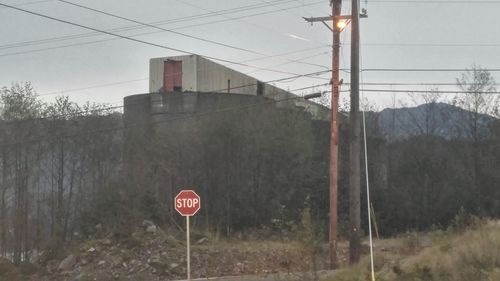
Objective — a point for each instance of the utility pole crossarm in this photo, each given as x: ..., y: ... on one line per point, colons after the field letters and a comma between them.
x: 316, y: 19
x: 322, y: 20
x: 327, y: 26
x: 330, y: 18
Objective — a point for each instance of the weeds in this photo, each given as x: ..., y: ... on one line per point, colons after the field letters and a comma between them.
x: 470, y: 250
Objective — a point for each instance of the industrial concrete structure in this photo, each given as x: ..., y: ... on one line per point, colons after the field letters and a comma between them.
x: 192, y: 73
x: 187, y: 116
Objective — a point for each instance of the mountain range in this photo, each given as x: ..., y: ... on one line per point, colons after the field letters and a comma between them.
x: 438, y: 119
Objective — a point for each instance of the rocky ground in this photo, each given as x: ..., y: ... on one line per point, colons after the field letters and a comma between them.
x: 152, y: 254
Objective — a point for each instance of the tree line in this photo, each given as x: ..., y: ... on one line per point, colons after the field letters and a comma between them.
x: 53, y: 161
x: 67, y: 171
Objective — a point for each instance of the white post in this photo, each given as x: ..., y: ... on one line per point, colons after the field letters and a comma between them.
x: 188, y: 252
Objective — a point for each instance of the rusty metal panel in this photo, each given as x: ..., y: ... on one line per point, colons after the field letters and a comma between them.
x: 172, y: 76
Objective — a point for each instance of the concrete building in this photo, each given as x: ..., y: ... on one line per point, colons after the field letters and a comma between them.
x: 192, y: 98
x: 194, y: 73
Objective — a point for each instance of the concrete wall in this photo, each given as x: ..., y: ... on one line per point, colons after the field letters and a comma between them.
x: 189, y: 73
x: 203, y: 75
x: 214, y: 77
x: 157, y: 110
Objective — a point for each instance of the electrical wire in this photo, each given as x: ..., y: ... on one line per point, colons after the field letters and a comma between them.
x: 284, y: 10
x: 161, y: 28
x: 249, y: 23
x: 407, y: 84
x: 134, y: 27
x: 267, y: 28
x: 424, y: 69
x: 297, y: 61
x: 423, y: 91
x: 186, y: 35
x: 310, y: 87
x: 404, y: 90
x: 141, y: 124
x: 143, y: 79
x: 93, y: 87
x: 432, y: 44
x: 437, y: 2
x: 30, y: 3
x: 138, y: 40
x: 224, y: 90
x: 367, y: 177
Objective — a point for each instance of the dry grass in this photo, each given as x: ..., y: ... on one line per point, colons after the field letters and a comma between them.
x: 473, y: 254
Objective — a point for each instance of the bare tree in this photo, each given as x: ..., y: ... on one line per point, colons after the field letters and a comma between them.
x: 422, y: 116
x: 20, y: 106
x: 479, y: 101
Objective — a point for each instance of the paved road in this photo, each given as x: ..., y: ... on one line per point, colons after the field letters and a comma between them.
x: 300, y: 276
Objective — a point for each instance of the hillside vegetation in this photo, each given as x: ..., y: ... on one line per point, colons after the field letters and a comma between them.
x: 70, y: 172
x: 453, y: 255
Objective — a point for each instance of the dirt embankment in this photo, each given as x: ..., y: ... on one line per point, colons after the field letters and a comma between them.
x: 152, y: 254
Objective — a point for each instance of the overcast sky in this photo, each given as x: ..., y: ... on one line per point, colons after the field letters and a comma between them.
x: 431, y: 34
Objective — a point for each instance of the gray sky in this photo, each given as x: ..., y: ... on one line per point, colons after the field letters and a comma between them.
x: 431, y: 34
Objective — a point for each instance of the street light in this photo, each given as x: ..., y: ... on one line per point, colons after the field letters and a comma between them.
x: 339, y: 23
x: 342, y: 24
x: 312, y: 96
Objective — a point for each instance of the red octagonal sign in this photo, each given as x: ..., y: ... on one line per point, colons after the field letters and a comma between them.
x: 187, y: 202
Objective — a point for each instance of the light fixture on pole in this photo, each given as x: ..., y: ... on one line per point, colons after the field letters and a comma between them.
x: 312, y: 96
x: 339, y: 23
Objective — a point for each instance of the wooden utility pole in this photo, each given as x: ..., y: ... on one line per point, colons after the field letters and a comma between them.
x: 334, y: 137
x: 334, y: 127
x: 354, y: 149
x: 354, y: 145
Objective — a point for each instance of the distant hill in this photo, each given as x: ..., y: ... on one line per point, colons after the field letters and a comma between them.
x: 438, y: 119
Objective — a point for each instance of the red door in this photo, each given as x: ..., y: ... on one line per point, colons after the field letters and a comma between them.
x: 172, y: 76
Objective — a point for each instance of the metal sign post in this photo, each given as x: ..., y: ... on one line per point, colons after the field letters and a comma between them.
x: 187, y: 203
x: 188, y: 250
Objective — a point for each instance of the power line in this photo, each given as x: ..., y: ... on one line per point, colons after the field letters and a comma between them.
x: 161, y: 28
x: 299, y: 60
x: 399, y: 90
x: 429, y: 91
x: 251, y: 23
x: 432, y: 44
x: 277, y: 6
x: 140, y: 124
x: 85, y: 35
x: 30, y: 3
x: 138, y: 40
x: 214, y: 91
x: 93, y: 87
x: 424, y: 69
x: 407, y: 84
x: 134, y: 27
x: 180, y: 33
x: 287, y: 53
x: 311, y: 87
x: 147, y: 33
x: 143, y: 79
x: 239, y: 19
x: 398, y: 84
x: 90, y: 34
x: 437, y: 2
x: 228, y: 109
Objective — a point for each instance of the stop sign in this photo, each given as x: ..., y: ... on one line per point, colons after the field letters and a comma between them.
x: 187, y: 202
